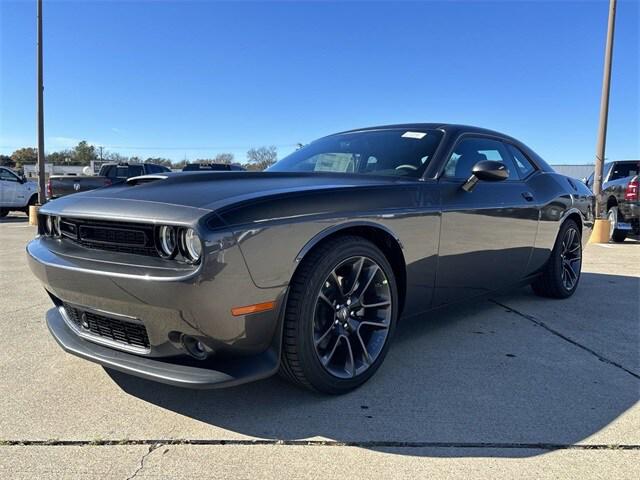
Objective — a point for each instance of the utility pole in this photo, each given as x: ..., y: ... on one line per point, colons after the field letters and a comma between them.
x: 41, y: 158
x: 604, y: 110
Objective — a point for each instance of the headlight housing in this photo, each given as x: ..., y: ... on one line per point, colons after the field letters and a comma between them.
x: 167, y: 241
x: 191, y: 245
x: 55, y: 231
x: 171, y: 241
x: 48, y: 225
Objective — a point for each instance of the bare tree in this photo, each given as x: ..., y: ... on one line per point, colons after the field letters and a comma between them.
x: 262, y: 158
x: 226, y: 158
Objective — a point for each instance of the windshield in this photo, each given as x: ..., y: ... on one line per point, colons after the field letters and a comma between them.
x: 398, y: 152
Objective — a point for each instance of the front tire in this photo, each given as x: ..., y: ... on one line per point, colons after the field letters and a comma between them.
x: 561, y: 274
x: 340, y: 317
x: 615, y: 234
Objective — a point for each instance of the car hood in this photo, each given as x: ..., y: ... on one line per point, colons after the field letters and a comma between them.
x: 194, y: 194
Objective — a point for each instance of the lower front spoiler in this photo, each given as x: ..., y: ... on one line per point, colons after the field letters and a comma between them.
x: 226, y: 374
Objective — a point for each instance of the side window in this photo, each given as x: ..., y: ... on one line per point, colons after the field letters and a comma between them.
x: 152, y: 168
x: 122, y: 171
x: 134, y: 171
x: 109, y: 171
x: 471, y: 150
x: 6, y: 175
x: 590, y: 180
x: 523, y: 165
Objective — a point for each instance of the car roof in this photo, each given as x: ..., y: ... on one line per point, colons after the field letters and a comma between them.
x: 448, y: 127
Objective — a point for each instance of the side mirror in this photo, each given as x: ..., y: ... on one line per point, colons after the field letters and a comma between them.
x: 488, y: 171
x: 23, y: 179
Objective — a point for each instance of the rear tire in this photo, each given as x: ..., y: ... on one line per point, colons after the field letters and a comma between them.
x: 336, y: 329
x: 615, y: 234
x: 561, y: 274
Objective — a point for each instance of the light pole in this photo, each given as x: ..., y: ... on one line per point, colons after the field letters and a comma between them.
x: 41, y: 183
x: 601, y: 227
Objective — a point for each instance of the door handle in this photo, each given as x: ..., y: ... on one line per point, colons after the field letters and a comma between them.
x: 528, y: 196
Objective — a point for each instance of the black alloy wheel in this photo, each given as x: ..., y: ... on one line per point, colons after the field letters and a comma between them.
x: 560, y: 276
x: 352, y: 317
x: 340, y: 316
x: 571, y: 257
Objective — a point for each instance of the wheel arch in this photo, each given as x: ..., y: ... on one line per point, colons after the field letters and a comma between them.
x: 611, y: 202
x: 381, y: 236
x: 577, y: 216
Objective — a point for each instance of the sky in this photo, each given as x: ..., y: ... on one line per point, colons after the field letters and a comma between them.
x: 192, y: 79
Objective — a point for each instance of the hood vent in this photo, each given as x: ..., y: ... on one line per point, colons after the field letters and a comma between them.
x: 145, y: 179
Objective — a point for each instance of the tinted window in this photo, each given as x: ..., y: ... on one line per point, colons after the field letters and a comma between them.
x: 471, y: 150
x: 109, y: 171
x: 590, y: 180
x: 522, y: 163
x: 381, y: 152
x: 622, y: 170
x: 127, y: 171
x: 7, y: 175
x: 151, y: 168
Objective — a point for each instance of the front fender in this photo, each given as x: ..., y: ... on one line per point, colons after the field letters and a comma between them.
x: 273, y: 252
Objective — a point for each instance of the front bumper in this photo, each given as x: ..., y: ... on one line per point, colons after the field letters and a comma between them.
x: 169, y: 303
x: 223, y: 374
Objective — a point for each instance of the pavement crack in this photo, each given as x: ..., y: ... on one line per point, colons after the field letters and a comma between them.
x: 155, y: 444
x: 152, y: 447
x: 549, y: 329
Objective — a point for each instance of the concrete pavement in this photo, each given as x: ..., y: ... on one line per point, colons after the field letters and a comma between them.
x: 512, y: 386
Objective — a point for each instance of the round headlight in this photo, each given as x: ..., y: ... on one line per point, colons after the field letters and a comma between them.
x: 48, y: 225
x: 167, y: 241
x: 192, y: 245
x: 56, y: 226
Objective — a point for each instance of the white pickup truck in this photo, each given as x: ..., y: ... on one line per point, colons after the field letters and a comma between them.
x: 16, y: 193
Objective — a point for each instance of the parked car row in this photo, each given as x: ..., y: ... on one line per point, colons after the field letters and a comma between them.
x: 116, y: 173
x: 17, y: 192
x: 619, y: 189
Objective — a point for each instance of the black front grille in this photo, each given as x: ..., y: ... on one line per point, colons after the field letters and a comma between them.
x: 136, y: 238
x: 120, y: 331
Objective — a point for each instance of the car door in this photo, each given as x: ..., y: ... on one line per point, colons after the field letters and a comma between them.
x: 9, y: 188
x: 486, y: 234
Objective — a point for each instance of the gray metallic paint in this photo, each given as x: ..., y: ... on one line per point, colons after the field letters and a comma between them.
x: 258, y: 226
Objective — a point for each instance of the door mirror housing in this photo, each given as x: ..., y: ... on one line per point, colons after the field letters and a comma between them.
x: 487, y: 171
x: 490, y: 171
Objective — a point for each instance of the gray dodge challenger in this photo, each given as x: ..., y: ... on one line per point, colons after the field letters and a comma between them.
x: 212, y: 279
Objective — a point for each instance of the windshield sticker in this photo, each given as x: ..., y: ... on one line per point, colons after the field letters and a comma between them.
x: 418, y: 135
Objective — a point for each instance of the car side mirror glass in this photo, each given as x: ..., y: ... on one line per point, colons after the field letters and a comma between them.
x: 487, y: 171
